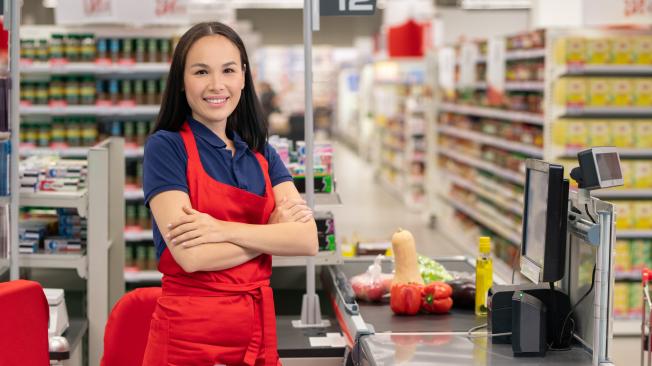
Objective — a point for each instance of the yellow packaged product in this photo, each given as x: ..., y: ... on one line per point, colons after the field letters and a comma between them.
x: 598, y: 51
x: 642, y: 173
x: 621, y: 299
x: 577, y: 134
x: 622, y: 134
x: 571, y: 92
x: 599, y: 92
x: 643, y: 50
x: 559, y: 132
x: 570, y: 51
x: 622, y: 254
x: 624, y: 215
x: 644, y: 134
x: 622, y: 92
x: 643, y: 92
x: 622, y: 49
x: 600, y: 133
x: 627, y: 170
x: 643, y: 215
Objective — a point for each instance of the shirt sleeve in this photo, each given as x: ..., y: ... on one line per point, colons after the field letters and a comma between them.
x: 278, y: 173
x: 164, y: 164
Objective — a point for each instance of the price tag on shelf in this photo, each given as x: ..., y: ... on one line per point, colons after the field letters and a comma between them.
x: 446, y: 64
x: 496, y: 70
x: 468, y: 62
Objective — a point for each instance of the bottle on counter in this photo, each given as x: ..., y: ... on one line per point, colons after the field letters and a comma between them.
x: 483, y: 275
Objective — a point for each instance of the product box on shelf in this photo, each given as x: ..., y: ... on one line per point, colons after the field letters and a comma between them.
x: 624, y: 215
x: 325, y: 231
x: 643, y: 215
x: 642, y: 171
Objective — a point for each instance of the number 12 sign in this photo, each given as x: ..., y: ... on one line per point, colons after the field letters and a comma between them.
x: 347, y: 7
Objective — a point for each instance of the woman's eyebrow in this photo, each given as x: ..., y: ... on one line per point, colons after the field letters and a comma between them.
x: 200, y: 65
x: 231, y: 63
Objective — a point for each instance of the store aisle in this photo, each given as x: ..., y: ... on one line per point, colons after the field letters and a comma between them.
x: 371, y: 213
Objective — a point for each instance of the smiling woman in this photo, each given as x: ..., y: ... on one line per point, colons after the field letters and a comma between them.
x: 223, y: 203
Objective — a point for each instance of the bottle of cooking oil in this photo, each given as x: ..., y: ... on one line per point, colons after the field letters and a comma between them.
x: 483, y: 275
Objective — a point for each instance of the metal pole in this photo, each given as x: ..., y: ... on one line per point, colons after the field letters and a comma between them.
x: 602, y: 284
x: 310, y: 310
x: 14, y: 122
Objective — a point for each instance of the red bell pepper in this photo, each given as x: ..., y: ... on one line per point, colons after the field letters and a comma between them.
x: 435, y: 298
x: 405, y: 298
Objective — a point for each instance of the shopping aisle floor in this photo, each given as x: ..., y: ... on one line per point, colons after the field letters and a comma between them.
x: 371, y: 213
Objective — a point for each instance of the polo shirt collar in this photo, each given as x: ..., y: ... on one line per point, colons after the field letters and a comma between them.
x: 212, y: 139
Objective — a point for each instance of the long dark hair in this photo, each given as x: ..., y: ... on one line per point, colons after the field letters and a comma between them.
x: 246, y: 119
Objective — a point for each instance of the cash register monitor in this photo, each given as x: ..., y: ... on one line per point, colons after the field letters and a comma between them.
x: 543, y: 249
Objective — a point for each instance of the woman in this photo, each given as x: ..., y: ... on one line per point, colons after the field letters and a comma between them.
x: 223, y: 203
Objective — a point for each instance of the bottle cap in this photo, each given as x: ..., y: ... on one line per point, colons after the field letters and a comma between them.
x: 484, y: 244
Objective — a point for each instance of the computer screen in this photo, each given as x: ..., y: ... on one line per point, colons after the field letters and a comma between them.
x: 543, y: 248
x: 608, y: 166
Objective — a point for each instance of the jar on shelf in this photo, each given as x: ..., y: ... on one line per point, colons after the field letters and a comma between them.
x: 28, y: 92
x: 132, y: 215
x: 126, y: 91
x: 72, y: 46
x: 128, y: 132
x: 41, y: 93
x: 101, y: 90
x: 87, y: 48
x: 139, y: 92
x: 87, y: 90
x: 114, y: 90
x: 101, y: 48
x: 72, y: 90
x: 58, y: 131
x: 161, y: 89
x: 44, y: 134
x: 141, y: 45
x: 141, y: 132
x: 57, y: 89
x: 31, y: 133
x: 56, y: 46
x: 116, y: 128
x: 89, y: 131
x: 143, y: 216
x: 73, y: 131
x: 26, y: 48
x: 127, y: 49
x: 139, y: 174
x: 165, y: 50
x: 150, y: 92
x: 42, y: 52
x: 114, y: 48
x: 152, y: 50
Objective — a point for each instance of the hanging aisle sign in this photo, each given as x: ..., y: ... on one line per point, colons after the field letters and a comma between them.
x: 150, y: 12
x: 347, y: 7
x: 496, y: 70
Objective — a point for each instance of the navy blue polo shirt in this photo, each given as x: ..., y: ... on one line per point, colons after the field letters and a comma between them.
x: 165, y: 162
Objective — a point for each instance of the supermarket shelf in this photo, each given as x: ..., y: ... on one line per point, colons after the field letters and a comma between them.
x: 143, y: 110
x: 535, y: 119
x: 5, y: 200
x: 622, y: 152
x: 134, y: 194
x: 325, y: 199
x: 77, y: 261
x: 634, y: 234
x: 627, y: 327
x: 602, y: 112
x: 623, y: 193
x: 321, y: 259
x: 76, y: 152
x: 136, y: 236
x: 489, y: 167
x: 628, y: 276
x: 498, y: 228
x: 78, y: 200
x: 617, y: 70
x: 142, y: 276
x: 491, y: 141
x: 94, y: 68
x: 525, y: 54
x: 536, y: 86
x: 5, y: 136
x: 475, y: 188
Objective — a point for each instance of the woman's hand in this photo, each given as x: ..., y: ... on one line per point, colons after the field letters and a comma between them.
x: 196, y: 228
x: 290, y: 210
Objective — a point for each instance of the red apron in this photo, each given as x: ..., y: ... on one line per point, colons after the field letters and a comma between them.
x: 221, y: 317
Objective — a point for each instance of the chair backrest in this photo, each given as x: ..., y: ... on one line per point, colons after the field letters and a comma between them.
x: 127, y: 328
x: 24, y: 316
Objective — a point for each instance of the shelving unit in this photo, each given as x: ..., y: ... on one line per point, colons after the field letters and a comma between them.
x: 466, y: 146
x: 92, y: 68
x: 102, y: 262
x: 100, y: 111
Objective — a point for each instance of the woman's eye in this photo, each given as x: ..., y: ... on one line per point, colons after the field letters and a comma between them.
x: 229, y: 70
x: 201, y: 72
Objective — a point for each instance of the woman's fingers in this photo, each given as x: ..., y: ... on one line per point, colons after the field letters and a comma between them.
x: 181, y: 221
x: 180, y: 230
x: 190, y: 235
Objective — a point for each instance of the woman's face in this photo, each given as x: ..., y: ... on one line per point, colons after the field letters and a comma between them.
x: 213, y: 79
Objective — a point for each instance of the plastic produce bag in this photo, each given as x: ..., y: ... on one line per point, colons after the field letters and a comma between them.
x: 373, y: 284
x: 432, y: 271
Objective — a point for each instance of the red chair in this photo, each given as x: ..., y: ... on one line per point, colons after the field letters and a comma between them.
x: 24, y: 316
x: 125, y: 335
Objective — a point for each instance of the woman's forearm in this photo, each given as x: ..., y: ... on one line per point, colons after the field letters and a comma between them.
x: 214, y: 256
x: 284, y: 239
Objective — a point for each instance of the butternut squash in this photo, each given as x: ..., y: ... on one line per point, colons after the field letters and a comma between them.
x: 406, y: 266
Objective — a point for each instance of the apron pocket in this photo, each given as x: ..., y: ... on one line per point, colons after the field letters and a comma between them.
x: 156, y: 352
